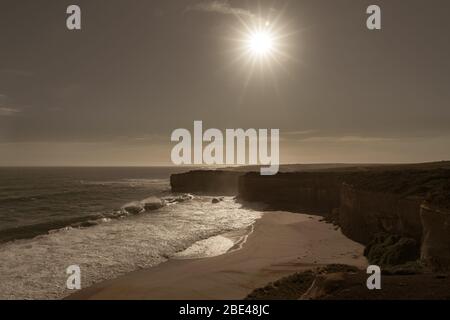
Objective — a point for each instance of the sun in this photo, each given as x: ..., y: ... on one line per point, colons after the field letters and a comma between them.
x: 260, y: 43
x: 262, y: 46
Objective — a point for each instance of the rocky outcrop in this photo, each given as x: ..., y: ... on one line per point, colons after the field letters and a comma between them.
x: 147, y: 205
x: 392, y: 250
x: 217, y: 200
x: 153, y: 203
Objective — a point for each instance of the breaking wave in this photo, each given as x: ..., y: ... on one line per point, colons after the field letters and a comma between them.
x: 126, y: 240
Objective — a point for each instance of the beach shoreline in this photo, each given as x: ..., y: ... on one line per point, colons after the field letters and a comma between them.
x: 281, y: 243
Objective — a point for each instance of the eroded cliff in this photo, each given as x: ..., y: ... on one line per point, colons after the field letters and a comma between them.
x: 206, y: 182
x: 405, y: 208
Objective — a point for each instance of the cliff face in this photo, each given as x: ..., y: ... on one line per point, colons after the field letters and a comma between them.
x: 300, y: 192
x: 366, y: 205
x: 363, y: 214
x: 435, y: 249
x: 206, y: 182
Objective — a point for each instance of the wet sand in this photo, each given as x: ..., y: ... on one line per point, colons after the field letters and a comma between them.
x: 282, y: 243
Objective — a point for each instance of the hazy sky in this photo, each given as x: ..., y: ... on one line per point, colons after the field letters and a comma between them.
x: 112, y: 93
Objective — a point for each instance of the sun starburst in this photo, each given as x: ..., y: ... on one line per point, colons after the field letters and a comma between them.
x: 261, y: 45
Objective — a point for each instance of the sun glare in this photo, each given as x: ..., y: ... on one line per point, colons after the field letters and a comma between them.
x: 261, y: 46
x: 260, y: 42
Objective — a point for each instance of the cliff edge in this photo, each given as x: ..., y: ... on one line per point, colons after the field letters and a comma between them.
x: 401, y: 213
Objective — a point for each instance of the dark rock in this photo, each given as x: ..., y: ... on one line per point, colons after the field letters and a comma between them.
x: 217, y: 200
x: 134, y: 209
x: 85, y: 224
x: 409, y: 268
x: 391, y: 250
x: 153, y: 204
x: 90, y: 223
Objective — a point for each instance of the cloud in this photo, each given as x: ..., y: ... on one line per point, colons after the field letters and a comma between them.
x: 6, y: 112
x: 219, y: 6
x: 299, y: 133
x: 314, y: 136
x: 349, y: 139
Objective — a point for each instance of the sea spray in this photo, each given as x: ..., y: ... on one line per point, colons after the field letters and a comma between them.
x: 35, y: 268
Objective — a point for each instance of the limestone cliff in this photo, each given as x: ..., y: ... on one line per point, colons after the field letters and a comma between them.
x: 363, y: 214
x: 300, y: 192
x: 410, y: 204
x: 206, y: 182
x: 435, y: 249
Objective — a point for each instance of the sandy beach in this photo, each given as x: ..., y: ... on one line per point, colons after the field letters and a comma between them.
x: 281, y: 243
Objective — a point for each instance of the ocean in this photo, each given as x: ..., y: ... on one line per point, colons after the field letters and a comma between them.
x: 52, y: 218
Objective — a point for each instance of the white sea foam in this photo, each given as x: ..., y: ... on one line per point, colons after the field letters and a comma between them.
x: 36, y: 268
x: 210, y: 247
